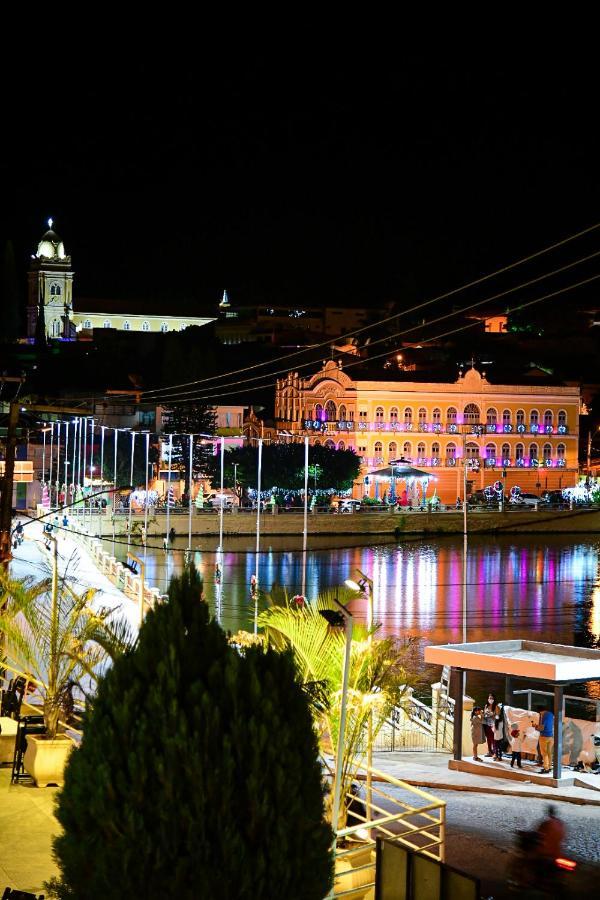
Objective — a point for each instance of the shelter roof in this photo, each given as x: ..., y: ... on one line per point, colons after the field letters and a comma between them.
x: 534, y: 660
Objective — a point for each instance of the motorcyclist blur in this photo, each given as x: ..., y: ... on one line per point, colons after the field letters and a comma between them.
x: 538, y: 866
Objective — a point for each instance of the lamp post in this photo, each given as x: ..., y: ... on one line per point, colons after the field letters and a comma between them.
x: 365, y: 585
x: 235, y: 468
x: 260, y: 446
x: 339, y: 756
x: 305, y: 526
x: 591, y: 436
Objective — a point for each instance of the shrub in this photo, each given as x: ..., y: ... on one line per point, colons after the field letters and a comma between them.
x: 198, y: 773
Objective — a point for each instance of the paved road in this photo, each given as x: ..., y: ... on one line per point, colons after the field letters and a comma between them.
x: 480, y: 836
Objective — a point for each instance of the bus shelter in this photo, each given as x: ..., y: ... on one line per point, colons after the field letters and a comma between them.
x: 521, y: 662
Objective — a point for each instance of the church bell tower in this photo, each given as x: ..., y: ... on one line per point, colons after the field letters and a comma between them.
x: 50, y: 286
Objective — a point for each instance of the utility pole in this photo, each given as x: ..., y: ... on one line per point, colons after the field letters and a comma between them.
x: 7, y: 482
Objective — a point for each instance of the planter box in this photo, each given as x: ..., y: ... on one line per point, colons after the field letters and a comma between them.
x: 45, y: 760
x: 7, y: 740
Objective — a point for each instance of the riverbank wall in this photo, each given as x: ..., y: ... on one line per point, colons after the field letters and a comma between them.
x: 575, y: 521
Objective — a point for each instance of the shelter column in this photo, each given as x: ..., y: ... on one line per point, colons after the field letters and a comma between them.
x: 558, y: 731
x: 456, y: 692
x: 509, y: 687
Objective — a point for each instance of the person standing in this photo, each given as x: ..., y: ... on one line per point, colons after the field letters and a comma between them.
x: 489, y: 711
x: 545, y: 726
x: 477, y: 732
x: 499, y: 732
x: 516, y: 745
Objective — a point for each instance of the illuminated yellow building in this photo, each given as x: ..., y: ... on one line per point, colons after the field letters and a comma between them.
x: 525, y: 435
x: 51, y: 292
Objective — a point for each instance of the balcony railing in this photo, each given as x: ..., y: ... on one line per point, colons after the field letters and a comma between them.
x: 476, y: 428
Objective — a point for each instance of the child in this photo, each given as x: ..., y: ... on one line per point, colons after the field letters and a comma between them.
x: 516, y: 745
x: 477, y: 733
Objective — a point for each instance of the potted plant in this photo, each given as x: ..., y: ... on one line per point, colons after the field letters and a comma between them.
x: 54, y: 636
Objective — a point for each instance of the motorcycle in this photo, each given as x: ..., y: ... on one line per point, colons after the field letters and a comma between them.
x: 531, y: 874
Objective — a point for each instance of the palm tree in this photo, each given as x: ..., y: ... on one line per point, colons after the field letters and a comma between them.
x: 378, y: 680
x: 54, y: 637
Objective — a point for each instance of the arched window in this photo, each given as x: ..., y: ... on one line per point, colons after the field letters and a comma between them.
x: 408, y: 414
x: 107, y: 323
x: 87, y: 324
x: 406, y: 449
x: 561, y: 451
x: 435, y: 450
x: 164, y: 327
x: 562, y: 417
x: 472, y: 450
x: 548, y: 418
x: 55, y: 328
x: 330, y: 411
x: 341, y: 445
x: 422, y: 415
x: 520, y: 417
x: 533, y: 451
x: 378, y: 449
x: 534, y: 417
x: 506, y: 417
x: 519, y: 451
x: 330, y: 444
x: 505, y: 451
x: 55, y: 289
x: 547, y: 452
x: 394, y: 414
x: 379, y: 414
x: 490, y: 451
x: 492, y: 416
x: 393, y: 449
x: 450, y: 451
x: 420, y: 450
x: 472, y: 413
x: 319, y: 414
x: 436, y: 415
x: 126, y: 326
x: 342, y: 413
x: 451, y: 414
x: 145, y: 326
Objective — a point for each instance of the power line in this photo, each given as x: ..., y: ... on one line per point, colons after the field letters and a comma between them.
x: 361, y: 362
x: 405, y: 331
x: 384, y: 321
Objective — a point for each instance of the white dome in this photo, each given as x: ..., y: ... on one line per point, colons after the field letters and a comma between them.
x: 51, y: 246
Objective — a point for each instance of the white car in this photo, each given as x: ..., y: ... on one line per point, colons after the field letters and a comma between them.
x: 224, y: 500
x: 348, y: 505
x: 526, y: 500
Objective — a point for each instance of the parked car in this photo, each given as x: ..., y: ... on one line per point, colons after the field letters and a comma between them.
x: 555, y: 500
x: 479, y: 499
x: 218, y: 500
x: 523, y: 500
x: 346, y: 505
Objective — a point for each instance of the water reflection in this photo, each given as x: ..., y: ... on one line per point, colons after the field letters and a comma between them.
x: 540, y: 588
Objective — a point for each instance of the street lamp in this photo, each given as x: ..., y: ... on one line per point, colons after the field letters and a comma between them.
x: 365, y: 586
x: 235, y: 468
x: 337, y: 791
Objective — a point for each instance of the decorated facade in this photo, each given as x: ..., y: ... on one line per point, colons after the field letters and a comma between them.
x: 523, y: 435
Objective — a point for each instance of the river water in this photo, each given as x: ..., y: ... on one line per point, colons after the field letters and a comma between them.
x: 541, y: 587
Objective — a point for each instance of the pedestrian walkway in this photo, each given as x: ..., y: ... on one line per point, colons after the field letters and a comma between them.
x: 430, y: 770
x: 32, y: 559
x: 27, y: 825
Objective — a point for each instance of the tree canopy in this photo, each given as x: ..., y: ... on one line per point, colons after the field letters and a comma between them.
x: 181, y: 420
x: 198, y: 774
x: 283, y: 467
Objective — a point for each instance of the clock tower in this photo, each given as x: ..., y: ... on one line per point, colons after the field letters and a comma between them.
x: 50, y: 286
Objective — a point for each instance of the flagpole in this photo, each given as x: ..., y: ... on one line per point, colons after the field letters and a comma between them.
x: 305, y: 529
x: 190, y: 493
x: 133, y: 433
x: 114, y: 497
x: 169, y: 485
x: 260, y: 445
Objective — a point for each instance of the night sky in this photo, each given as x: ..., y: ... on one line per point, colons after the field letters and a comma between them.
x: 342, y: 184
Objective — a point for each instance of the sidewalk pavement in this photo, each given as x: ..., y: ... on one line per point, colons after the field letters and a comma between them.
x: 430, y: 770
x: 27, y: 825
x: 32, y: 559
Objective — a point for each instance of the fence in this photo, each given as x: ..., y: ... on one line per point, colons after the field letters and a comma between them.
x: 417, y: 727
x: 400, y: 812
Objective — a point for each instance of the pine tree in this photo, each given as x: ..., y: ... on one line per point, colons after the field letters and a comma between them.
x: 198, y: 774
x: 181, y: 420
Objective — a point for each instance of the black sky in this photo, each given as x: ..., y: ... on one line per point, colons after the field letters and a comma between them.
x: 342, y: 183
